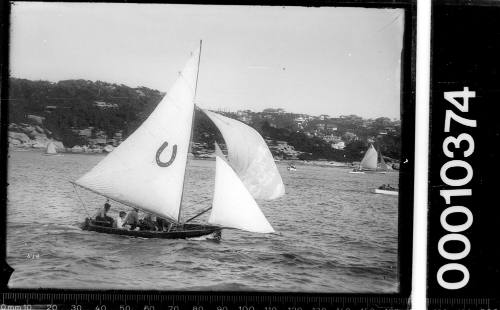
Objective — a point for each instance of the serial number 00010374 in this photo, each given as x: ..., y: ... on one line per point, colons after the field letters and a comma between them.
x: 457, y: 144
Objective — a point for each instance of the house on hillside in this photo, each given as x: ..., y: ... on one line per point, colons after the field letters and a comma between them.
x: 340, y: 145
x: 331, y: 127
x: 50, y: 108
x: 299, y: 121
x: 274, y: 111
x: 319, y: 127
x: 97, y: 142
x: 105, y: 105
x: 244, y: 116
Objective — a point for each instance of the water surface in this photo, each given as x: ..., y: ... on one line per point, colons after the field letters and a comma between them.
x: 334, y: 235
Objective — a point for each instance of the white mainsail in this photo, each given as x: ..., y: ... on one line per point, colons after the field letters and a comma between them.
x: 233, y: 205
x: 369, y: 161
x: 250, y: 157
x: 51, y: 148
x: 147, y: 169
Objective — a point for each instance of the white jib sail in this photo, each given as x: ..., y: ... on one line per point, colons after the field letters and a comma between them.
x: 147, y: 169
x: 233, y: 206
x: 383, y: 165
x: 250, y: 157
x: 51, y: 148
x: 369, y: 161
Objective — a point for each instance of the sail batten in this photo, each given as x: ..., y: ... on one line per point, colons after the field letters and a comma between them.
x: 147, y: 169
x: 250, y: 157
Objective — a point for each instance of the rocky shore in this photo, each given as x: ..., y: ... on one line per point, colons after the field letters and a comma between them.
x: 36, y: 137
x: 31, y: 136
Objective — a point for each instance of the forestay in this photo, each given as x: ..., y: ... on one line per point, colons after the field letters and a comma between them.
x: 233, y: 205
x: 147, y: 169
x: 369, y: 161
x: 250, y: 157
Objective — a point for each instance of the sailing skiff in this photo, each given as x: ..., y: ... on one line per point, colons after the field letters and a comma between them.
x: 147, y: 170
x: 370, y: 162
x: 51, y: 150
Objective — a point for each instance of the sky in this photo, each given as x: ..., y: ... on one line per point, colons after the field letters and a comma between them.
x: 325, y: 60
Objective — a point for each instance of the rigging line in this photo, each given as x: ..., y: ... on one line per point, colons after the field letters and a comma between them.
x: 199, y: 214
x: 198, y: 71
x: 120, y: 201
x: 81, y: 201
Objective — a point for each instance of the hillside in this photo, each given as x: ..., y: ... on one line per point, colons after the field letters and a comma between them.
x: 95, y: 114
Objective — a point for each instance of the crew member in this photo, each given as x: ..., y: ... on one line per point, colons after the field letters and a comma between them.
x: 120, y: 220
x: 149, y: 222
x: 132, y: 218
x: 101, y: 215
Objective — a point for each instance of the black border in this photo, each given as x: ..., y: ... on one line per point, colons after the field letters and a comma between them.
x: 456, y: 63
x: 406, y: 180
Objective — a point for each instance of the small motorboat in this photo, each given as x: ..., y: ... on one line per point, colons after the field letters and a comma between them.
x: 291, y: 168
x: 386, y: 190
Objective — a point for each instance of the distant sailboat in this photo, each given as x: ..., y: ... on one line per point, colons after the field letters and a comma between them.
x: 147, y: 170
x: 383, y: 165
x: 370, y: 162
x: 51, y: 149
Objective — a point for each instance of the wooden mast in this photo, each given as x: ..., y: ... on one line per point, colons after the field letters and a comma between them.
x: 191, y: 137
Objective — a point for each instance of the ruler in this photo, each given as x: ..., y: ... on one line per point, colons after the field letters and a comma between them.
x: 194, y: 301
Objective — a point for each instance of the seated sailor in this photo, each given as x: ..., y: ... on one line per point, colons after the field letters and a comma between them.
x: 132, y: 218
x: 101, y: 215
x: 163, y: 224
x: 149, y: 222
x: 120, y: 220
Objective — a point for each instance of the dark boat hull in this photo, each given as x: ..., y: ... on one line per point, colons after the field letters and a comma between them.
x: 186, y: 231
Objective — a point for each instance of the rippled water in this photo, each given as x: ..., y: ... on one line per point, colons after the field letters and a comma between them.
x: 334, y: 235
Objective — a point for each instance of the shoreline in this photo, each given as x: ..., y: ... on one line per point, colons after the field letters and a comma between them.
x: 280, y: 162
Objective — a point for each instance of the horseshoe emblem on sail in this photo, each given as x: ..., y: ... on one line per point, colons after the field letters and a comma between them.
x: 172, y: 158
